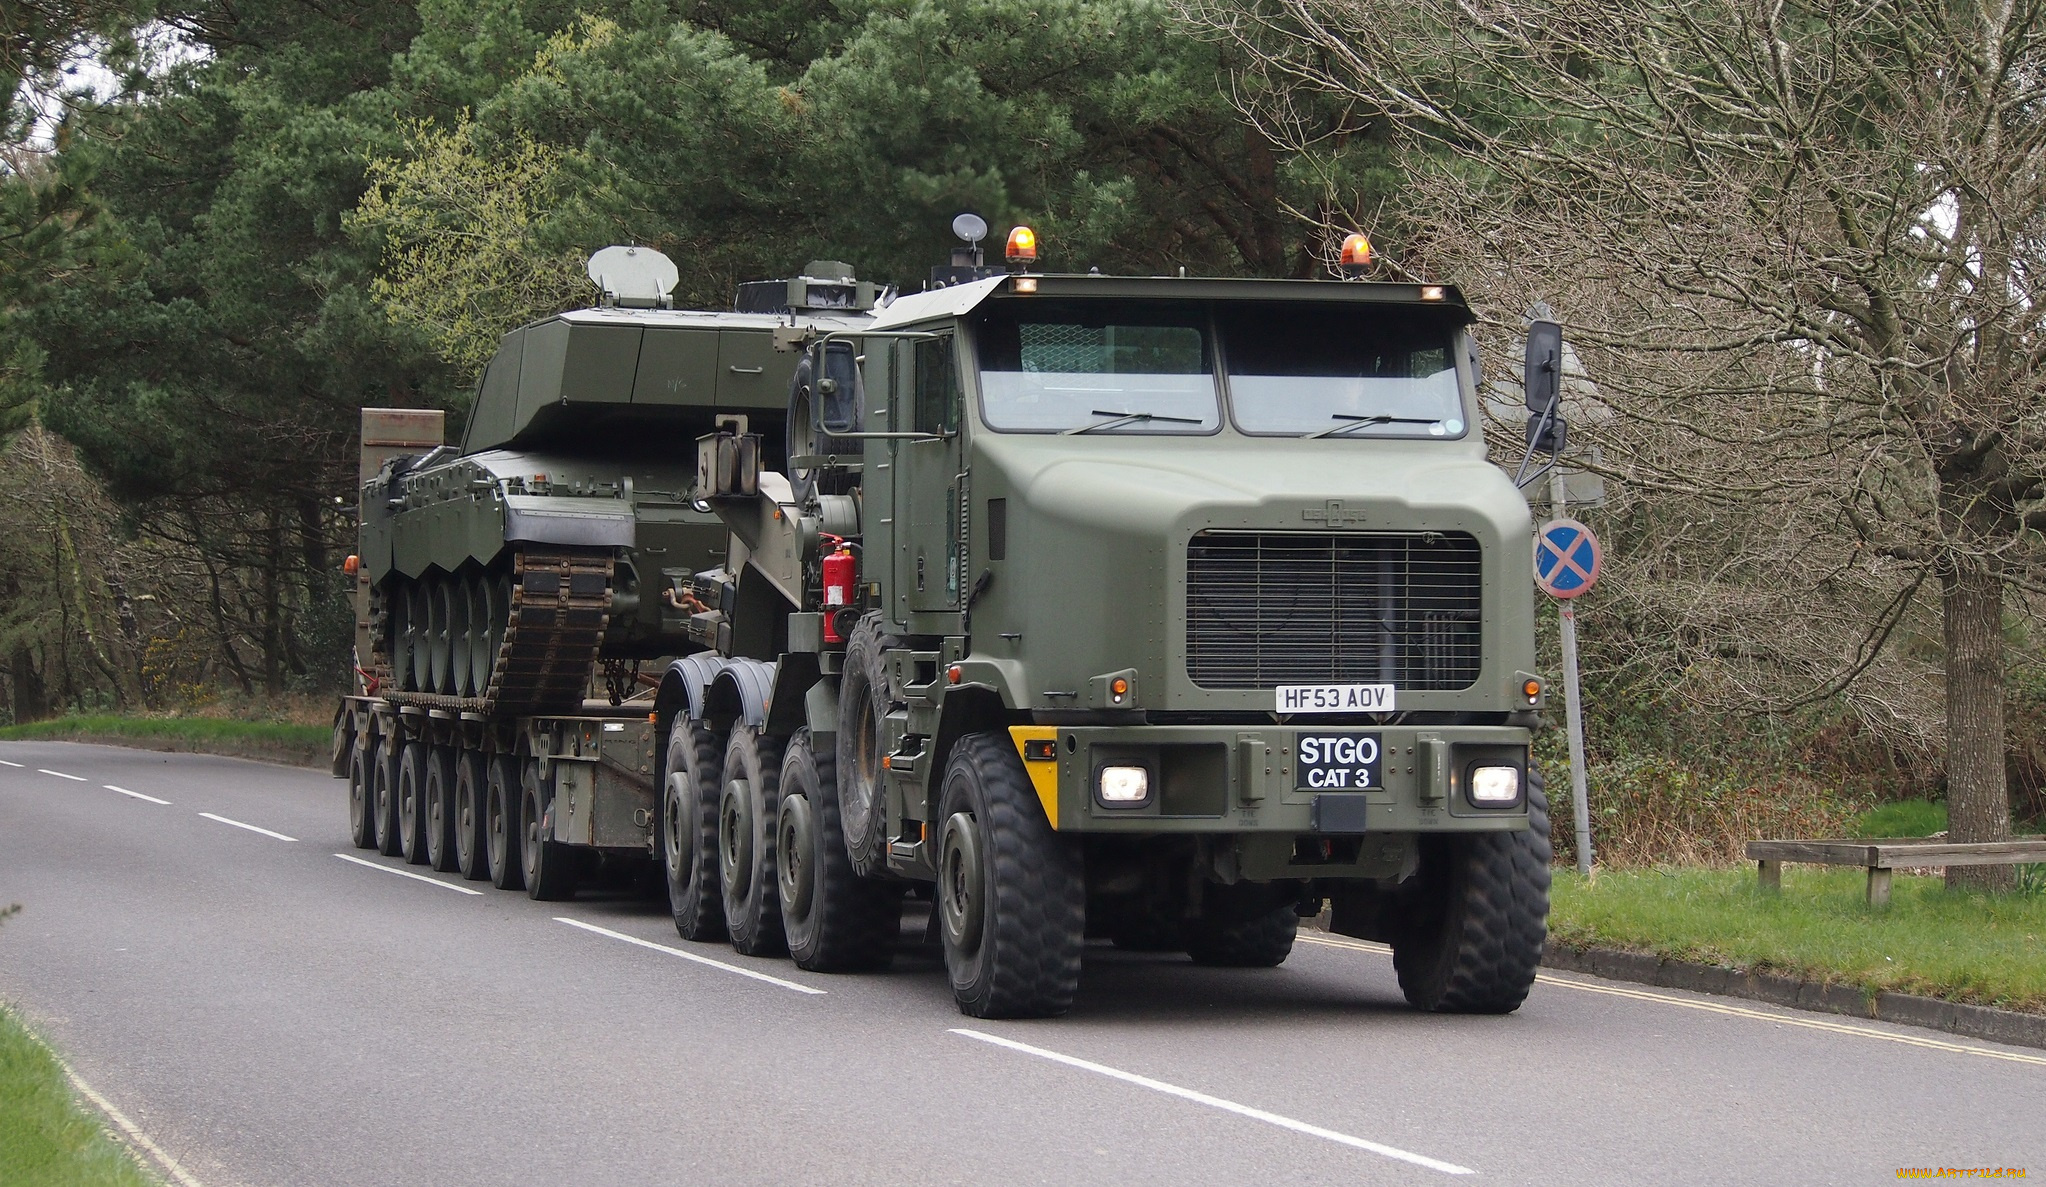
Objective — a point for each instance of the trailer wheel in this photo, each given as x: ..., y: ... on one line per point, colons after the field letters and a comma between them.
x: 689, y: 829
x: 472, y: 813
x: 1239, y: 927
x: 440, y: 807
x: 835, y: 920
x: 746, y: 817
x: 501, y: 824
x: 362, y: 801
x: 412, y: 802
x: 384, y: 795
x: 1011, y: 895
x: 550, y: 867
x: 862, y: 740
x: 1469, y: 934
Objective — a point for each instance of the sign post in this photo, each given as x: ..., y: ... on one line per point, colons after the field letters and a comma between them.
x: 1567, y: 562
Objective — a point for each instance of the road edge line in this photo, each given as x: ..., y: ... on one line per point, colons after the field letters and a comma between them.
x: 129, y: 1131
x: 1215, y: 1102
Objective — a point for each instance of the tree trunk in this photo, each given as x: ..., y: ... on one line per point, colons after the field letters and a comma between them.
x: 1978, y: 802
x: 31, y: 698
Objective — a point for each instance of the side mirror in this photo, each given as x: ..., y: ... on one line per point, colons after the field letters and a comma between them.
x: 1543, y: 381
x: 1550, y: 435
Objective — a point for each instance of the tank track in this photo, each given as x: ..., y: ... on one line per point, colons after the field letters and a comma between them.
x: 560, y: 607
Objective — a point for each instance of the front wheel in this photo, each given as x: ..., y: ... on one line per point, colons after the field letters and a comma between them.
x: 1469, y: 935
x: 1011, y: 895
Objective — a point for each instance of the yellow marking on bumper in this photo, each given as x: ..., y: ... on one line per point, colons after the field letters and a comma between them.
x: 1044, y: 776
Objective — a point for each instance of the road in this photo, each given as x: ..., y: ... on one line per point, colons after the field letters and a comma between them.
x: 271, y: 1006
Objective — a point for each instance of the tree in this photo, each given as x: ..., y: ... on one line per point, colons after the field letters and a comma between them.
x: 1800, y: 238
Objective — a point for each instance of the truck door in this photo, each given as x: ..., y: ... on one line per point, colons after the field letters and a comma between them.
x: 930, y: 491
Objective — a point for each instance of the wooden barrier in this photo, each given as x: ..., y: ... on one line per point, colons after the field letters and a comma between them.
x: 1880, y: 857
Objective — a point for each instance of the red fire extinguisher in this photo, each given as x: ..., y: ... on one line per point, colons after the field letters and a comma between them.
x: 841, y: 570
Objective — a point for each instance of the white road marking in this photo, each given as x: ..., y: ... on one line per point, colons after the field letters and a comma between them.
x: 1227, y: 1106
x: 138, y: 795
x: 132, y: 1131
x: 371, y: 865
x: 691, y: 956
x: 252, y: 828
x: 62, y: 775
x: 1733, y: 1011
x: 5, y: 763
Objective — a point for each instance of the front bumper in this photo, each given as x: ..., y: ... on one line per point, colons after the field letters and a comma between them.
x: 1242, y: 779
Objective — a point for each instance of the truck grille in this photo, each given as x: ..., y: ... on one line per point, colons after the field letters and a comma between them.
x: 1265, y: 609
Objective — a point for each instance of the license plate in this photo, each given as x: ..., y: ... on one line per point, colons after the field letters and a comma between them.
x: 1335, y: 698
x: 1338, y: 762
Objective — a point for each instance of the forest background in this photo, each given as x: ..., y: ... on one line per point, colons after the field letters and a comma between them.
x: 227, y: 225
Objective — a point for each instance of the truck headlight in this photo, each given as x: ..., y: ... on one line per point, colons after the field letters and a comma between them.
x: 1124, y: 787
x: 1495, y: 787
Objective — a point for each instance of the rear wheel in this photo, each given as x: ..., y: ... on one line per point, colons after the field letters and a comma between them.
x: 501, y: 824
x: 862, y: 740
x: 472, y: 795
x: 549, y: 866
x: 746, y: 814
x: 362, y: 815
x: 1241, y: 927
x: 1468, y: 937
x: 1011, y: 897
x: 384, y: 784
x: 440, y: 807
x: 689, y: 829
x: 835, y: 920
x: 412, y: 802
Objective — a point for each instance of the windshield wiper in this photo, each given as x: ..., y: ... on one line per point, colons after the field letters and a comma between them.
x: 1358, y: 422
x: 1123, y: 418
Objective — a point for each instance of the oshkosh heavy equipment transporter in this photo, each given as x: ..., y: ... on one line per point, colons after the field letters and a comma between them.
x: 1161, y: 610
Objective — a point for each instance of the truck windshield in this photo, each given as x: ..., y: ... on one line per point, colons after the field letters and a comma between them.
x: 1073, y: 367
x: 1341, y: 371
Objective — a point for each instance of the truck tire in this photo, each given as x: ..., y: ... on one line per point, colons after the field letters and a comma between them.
x: 862, y: 740
x: 362, y: 800
x: 747, y: 808
x: 835, y: 920
x: 1011, y: 894
x: 412, y: 802
x: 1243, y: 930
x: 688, y: 825
x: 384, y: 786
x: 549, y: 867
x: 440, y: 807
x: 1469, y: 937
x: 472, y: 813
x: 501, y: 824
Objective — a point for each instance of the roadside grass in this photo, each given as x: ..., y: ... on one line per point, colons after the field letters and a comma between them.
x: 281, y: 741
x: 1902, y: 818
x: 45, y: 1137
x: 1985, y: 949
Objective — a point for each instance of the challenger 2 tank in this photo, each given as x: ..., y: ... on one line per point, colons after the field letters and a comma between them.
x: 563, y: 529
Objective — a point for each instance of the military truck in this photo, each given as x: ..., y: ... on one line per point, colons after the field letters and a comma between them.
x: 1167, y: 611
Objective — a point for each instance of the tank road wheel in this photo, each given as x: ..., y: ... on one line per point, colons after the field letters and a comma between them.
x: 398, y: 625
x: 484, y: 633
x: 747, y: 809
x: 1242, y: 927
x: 1469, y: 937
x: 384, y: 785
x: 418, y: 616
x: 459, y: 636
x: 362, y: 801
x: 412, y: 801
x: 549, y: 866
x: 472, y: 795
x: 689, y: 828
x: 501, y: 824
x: 440, y: 807
x: 862, y: 740
x: 1011, y: 897
x: 440, y: 629
x: 835, y: 920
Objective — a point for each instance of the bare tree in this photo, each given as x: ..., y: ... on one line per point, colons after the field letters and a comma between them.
x: 1801, y: 241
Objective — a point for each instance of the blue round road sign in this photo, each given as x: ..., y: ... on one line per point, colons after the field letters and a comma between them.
x: 1566, y: 559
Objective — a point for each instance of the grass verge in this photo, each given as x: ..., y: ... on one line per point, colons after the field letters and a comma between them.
x: 45, y: 1137
x: 1988, y: 950
x: 278, y: 741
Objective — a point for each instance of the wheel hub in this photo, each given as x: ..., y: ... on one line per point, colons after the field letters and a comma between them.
x: 793, y: 842
x: 735, y: 839
x: 959, y: 881
x: 680, y: 830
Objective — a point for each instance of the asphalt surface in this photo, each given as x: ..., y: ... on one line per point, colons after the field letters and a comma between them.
x: 268, y: 1013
